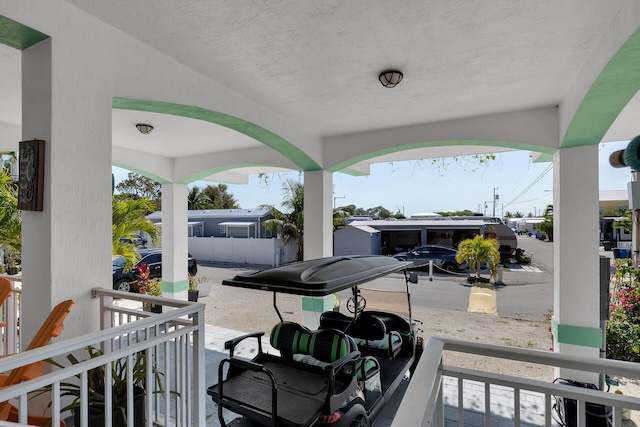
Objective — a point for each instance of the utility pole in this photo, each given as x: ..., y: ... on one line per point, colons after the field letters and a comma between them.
x: 398, y: 207
x: 337, y: 197
x: 495, y: 199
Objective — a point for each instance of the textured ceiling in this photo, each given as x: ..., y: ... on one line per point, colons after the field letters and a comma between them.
x: 315, y: 63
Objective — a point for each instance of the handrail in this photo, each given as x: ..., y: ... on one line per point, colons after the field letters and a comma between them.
x: 171, y: 340
x: 423, y: 405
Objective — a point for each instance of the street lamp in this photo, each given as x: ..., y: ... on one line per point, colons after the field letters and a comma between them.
x: 337, y: 197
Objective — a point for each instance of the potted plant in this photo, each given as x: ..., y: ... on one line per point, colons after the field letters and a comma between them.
x: 477, y: 251
x: 194, y: 285
x: 149, y: 286
x: 96, y: 395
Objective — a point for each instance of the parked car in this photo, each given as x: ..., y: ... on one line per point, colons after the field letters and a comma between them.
x: 138, y: 241
x: 126, y: 281
x: 443, y: 257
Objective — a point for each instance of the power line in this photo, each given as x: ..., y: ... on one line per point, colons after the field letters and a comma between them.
x: 535, y: 181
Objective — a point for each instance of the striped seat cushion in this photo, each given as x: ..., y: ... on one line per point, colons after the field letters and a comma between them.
x: 324, y: 345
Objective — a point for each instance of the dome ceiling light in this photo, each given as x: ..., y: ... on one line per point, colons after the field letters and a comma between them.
x: 144, y: 128
x: 390, y: 78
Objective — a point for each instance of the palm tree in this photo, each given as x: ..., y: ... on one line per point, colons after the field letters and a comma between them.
x: 627, y: 224
x: 289, y: 224
x: 546, y: 226
x: 128, y: 219
x: 196, y: 199
x: 477, y: 251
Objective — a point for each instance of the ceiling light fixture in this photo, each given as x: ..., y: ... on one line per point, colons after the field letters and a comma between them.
x: 390, y: 78
x: 144, y: 128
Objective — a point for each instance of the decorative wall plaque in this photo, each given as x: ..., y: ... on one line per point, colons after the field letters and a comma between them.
x: 31, y: 178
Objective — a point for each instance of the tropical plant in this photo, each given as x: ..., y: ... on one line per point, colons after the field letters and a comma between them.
x: 140, y: 187
x: 146, y: 284
x: 289, y: 225
x: 219, y: 198
x: 623, y: 327
x: 194, y: 282
x: 196, y: 199
x: 97, y: 386
x: 128, y: 219
x: 10, y: 218
x: 627, y: 224
x: 477, y: 251
x: 546, y: 226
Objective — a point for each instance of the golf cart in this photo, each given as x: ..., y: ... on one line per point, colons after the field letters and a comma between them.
x: 340, y: 374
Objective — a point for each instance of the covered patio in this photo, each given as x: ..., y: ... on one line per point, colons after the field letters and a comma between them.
x: 238, y: 89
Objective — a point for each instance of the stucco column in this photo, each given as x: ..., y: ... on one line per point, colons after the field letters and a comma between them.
x: 318, y: 235
x: 318, y: 214
x: 67, y: 245
x: 576, y: 322
x: 175, y: 241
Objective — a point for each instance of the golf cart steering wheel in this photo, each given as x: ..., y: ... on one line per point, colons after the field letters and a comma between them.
x: 356, y: 304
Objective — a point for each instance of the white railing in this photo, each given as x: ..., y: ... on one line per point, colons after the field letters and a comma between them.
x: 170, y: 345
x: 9, y: 317
x: 434, y: 384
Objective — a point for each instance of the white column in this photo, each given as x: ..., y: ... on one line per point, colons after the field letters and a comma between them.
x: 576, y: 322
x: 175, y: 241
x: 318, y: 214
x: 67, y: 245
x: 318, y: 235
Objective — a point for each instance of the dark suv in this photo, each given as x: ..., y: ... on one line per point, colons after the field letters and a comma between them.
x: 126, y: 281
x: 442, y: 257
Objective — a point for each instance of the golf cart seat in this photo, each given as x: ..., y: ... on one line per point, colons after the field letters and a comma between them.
x: 279, y: 390
x: 320, y: 347
x: 369, y: 332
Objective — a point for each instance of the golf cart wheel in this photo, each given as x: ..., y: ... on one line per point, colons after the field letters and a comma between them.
x: 122, y: 285
x: 360, y: 422
x: 450, y: 267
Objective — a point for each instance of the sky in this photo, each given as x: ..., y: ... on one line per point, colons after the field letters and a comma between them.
x: 412, y: 187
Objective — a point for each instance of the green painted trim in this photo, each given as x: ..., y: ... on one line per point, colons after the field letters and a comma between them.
x: 544, y: 158
x: 175, y: 287
x: 618, y: 82
x: 18, y: 36
x: 577, y: 335
x: 317, y: 304
x: 142, y: 172
x: 268, y: 138
x: 351, y: 172
x: 340, y: 167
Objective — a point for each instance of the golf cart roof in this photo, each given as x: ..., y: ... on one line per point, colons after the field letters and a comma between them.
x: 319, y: 277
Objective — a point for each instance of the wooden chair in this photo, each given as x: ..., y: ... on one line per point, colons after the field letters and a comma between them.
x: 52, y: 327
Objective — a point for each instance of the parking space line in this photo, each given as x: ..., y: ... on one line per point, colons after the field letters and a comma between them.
x: 482, y: 299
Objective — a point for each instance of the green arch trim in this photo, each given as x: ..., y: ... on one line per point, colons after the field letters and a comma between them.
x: 18, y: 36
x: 344, y: 166
x: 142, y: 172
x: 268, y: 138
x: 618, y: 82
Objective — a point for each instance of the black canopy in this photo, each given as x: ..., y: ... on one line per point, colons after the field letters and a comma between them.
x: 319, y: 277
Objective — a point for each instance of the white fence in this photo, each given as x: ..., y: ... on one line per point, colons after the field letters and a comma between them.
x: 170, y: 346
x: 272, y: 252
x: 436, y: 390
